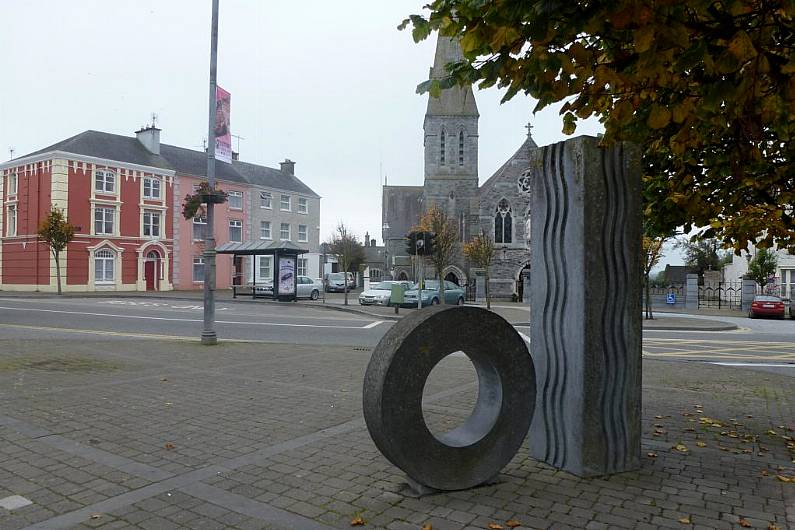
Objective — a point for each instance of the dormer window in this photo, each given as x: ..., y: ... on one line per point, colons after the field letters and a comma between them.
x: 461, y: 148
x: 105, y: 181
x: 442, y: 147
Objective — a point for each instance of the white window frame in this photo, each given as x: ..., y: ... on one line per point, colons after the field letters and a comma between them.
x: 281, y: 232
x: 237, y: 195
x: 236, y: 224
x: 11, y: 220
x: 261, y: 266
x: 197, y: 261
x: 104, y: 174
x: 104, y: 210
x: 202, y: 221
x: 265, y: 227
x: 151, y: 181
x: 150, y: 224
x: 302, y: 266
x: 289, y: 203
x: 303, y: 205
x: 305, y: 237
x: 266, y: 200
x: 13, y: 179
x: 104, y: 258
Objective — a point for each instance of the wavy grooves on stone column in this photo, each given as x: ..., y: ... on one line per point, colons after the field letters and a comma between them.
x: 614, y: 345
x: 554, y: 386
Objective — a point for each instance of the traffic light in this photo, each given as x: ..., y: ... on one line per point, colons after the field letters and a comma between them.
x: 420, y: 243
x: 430, y: 241
x: 411, y: 243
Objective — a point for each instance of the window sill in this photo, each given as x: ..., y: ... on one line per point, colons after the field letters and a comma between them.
x: 266, y: 238
x: 266, y: 207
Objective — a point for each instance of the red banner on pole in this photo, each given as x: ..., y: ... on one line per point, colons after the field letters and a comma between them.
x: 223, y: 133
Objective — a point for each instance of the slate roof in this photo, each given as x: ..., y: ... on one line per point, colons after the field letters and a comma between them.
x: 514, y: 166
x: 184, y: 161
x: 455, y: 101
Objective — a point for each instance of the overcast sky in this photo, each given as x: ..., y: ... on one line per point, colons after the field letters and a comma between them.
x: 330, y: 85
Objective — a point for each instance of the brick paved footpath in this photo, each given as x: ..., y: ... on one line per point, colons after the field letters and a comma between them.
x: 108, y: 433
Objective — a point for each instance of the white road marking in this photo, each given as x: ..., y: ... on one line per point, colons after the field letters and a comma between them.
x: 765, y: 365
x: 280, y: 324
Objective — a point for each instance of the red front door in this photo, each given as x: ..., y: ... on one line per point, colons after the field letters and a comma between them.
x: 149, y: 274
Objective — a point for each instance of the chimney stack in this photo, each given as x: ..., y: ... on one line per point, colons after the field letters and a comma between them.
x: 288, y: 166
x: 149, y: 138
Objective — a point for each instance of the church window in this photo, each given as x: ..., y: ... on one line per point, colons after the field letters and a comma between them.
x: 503, y: 222
x: 461, y: 148
x: 442, y: 147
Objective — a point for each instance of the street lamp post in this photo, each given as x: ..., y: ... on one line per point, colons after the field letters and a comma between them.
x: 209, y: 336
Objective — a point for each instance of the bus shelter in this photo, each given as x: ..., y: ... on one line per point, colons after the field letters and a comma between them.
x: 282, y: 284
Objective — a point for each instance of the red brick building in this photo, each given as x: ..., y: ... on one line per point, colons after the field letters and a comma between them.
x: 118, y: 194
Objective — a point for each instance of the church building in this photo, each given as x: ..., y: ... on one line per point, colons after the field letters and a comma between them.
x: 500, y: 207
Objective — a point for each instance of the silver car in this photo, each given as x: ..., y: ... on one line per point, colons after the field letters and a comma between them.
x: 306, y: 287
x: 380, y: 293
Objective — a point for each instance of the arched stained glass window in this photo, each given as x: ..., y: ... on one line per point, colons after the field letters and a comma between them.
x: 503, y: 223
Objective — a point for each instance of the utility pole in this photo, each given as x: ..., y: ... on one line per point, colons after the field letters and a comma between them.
x: 209, y: 336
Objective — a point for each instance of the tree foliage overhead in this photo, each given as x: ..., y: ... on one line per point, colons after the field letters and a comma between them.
x: 707, y: 87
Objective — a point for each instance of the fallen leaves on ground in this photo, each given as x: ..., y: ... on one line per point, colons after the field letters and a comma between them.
x: 783, y: 478
x: 169, y: 446
x: 96, y: 515
x: 651, y: 454
x: 427, y: 526
x: 512, y: 523
x: 495, y: 526
x: 357, y: 521
x: 685, y: 520
x: 771, y: 526
x: 701, y: 444
x: 682, y: 448
x: 742, y: 522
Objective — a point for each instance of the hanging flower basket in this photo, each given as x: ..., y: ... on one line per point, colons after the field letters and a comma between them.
x: 202, y: 195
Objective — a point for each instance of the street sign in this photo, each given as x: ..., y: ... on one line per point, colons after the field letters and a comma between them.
x: 671, y: 298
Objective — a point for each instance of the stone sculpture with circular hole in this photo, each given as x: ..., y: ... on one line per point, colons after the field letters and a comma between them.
x: 475, y: 452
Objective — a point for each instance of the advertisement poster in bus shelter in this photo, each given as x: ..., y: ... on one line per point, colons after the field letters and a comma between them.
x: 286, y: 276
x: 223, y: 133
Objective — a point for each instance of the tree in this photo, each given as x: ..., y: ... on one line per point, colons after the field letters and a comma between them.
x: 348, y: 251
x: 480, y: 251
x: 56, y: 231
x: 445, y: 237
x: 652, y: 246
x: 706, y: 88
x: 762, y: 266
x: 703, y: 254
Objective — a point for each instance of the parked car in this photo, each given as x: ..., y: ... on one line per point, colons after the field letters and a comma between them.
x: 306, y: 287
x: 453, y: 294
x: 767, y: 305
x: 792, y: 305
x: 381, y: 293
x: 335, y: 282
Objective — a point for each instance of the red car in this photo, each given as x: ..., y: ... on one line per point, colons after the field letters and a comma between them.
x: 766, y: 306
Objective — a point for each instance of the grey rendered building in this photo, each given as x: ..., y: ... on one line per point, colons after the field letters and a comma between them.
x: 500, y: 207
x: 282, y: 209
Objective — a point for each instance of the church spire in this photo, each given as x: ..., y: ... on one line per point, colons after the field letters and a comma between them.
x: 455, y: 101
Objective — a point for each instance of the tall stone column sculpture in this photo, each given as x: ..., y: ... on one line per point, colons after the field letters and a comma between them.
x: 586, y: 306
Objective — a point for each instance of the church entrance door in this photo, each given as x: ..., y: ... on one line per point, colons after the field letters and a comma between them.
x: 451, y: 277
